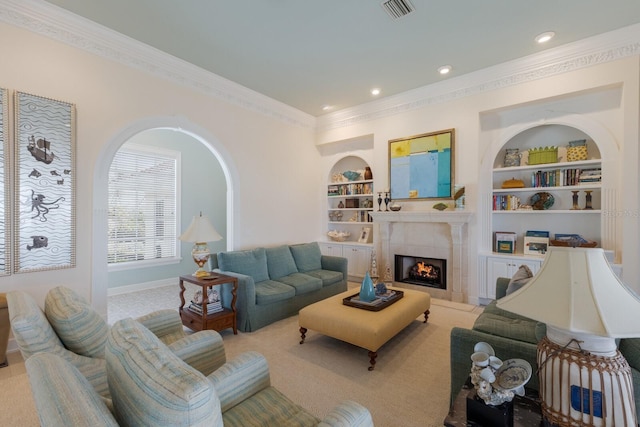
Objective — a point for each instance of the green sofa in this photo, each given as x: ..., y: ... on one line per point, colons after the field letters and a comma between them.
x: 151, y: 386
x: 276, y: 282
x: 513, y: 336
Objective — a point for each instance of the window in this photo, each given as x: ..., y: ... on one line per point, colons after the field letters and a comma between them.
x: 142, y: 219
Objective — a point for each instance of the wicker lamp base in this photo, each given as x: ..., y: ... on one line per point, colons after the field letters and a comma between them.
x: 578, y: 388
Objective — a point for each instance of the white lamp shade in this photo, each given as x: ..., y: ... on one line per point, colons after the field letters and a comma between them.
x: 577, y: 291
x: 200, y: 230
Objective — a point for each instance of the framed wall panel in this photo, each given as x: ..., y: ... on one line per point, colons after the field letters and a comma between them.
x: 44, y: 201
x: 5, y: 223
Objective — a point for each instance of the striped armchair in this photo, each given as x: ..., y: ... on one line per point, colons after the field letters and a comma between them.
x: 152, y: 386
x: 70, y: 328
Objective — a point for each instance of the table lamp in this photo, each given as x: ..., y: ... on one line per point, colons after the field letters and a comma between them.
x: 200, y: 232
x: 584, y: 379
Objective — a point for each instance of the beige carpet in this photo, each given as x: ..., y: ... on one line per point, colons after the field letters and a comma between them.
x: 409, y: 386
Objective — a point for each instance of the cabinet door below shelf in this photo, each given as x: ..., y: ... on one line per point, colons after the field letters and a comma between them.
x: 506, y: 267
x: 358, y: 258
x: 332, y: 249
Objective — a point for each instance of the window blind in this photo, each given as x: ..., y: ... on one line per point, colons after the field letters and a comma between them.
x: 142, y: 205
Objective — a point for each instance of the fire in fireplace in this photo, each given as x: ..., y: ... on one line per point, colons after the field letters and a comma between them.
x: 421, y: 271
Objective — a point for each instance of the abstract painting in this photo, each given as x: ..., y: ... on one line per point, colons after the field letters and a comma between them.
x: 421, y: 166
x: 44, y: 214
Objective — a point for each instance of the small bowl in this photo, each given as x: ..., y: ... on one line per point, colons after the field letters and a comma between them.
x: 395, y: 208
x: 351, y: 175
x: 484, y: 347
x: 480, y: 358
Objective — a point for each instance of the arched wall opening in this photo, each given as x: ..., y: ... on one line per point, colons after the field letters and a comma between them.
x: 99, y: 285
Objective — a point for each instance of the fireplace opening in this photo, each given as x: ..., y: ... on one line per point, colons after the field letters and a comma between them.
x: 421, y: 271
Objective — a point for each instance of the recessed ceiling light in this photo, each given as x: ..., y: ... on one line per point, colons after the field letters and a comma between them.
x: 545, y: 37
x: 375, y: 91
x: 326, y: 107
x: 445, y: 69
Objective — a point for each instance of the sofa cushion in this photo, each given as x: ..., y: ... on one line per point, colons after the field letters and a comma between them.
x: 519, y: 279
x: 282, y: 411
x: 251, y: 263
x: 280, y: 262
x: 152, y: 386
x: 270, y: 291
x: 80, y: 328
x: 328, y: 277
x: 308, y: 256
x: 630, y: 349
x: 522, y: 329
x: 302, y: 283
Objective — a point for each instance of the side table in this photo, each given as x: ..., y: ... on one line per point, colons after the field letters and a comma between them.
x: 526, y: 411
x: 217, y: 321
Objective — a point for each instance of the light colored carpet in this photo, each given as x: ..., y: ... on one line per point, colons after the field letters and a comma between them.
x: 409, y: 386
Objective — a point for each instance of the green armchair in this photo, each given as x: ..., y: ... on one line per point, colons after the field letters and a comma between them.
x: 70, y: 328
x: 150, y: 386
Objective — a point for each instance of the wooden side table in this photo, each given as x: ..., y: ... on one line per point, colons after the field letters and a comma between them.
x: 217, y: 321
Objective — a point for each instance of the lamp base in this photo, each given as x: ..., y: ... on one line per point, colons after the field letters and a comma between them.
x: 579, y: 388
x: 201, y: 272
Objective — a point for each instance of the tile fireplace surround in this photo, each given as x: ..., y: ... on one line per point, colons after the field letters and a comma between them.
x: 426, y: 234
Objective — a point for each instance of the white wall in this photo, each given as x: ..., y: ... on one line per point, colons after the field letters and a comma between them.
x: 536, y: 99
x: 274, y: 163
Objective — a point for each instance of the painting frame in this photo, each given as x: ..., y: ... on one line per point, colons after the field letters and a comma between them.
x: 5, y: 220
x: 422, y: 167
x: 44, y: 214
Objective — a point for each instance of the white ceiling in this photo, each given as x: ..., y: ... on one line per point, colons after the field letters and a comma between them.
x: 308, y: 53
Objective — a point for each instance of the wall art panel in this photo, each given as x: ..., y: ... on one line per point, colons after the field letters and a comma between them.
x: 44, y: 214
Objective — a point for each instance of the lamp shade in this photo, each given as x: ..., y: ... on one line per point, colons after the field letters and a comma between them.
x: 200, y: 230
x: 576, y: 290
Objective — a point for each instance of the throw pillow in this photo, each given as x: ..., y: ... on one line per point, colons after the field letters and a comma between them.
x: 251, y: 263
x: 521, y: 278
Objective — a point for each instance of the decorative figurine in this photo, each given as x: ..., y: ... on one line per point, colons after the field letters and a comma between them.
x: 387, y: 199
x: 379, y: 202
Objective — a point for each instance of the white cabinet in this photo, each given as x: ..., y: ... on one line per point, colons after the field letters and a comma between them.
x: 359, y: 259
x: 331, y: 249
x: 502, y: 266
x: 358, y: 256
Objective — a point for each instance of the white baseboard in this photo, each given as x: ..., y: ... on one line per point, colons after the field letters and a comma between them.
x: 142, y: 286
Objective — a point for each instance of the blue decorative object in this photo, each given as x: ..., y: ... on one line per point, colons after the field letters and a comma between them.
x: 351, y: 175
x: 381, y: 289
x: 367, y: 291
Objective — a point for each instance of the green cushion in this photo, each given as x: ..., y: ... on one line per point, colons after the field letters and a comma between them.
x: 80, y: 328
x: 308, y: 256
x: 302, y: 283
x: 516, y: 329
x: 328, y: 277
x: 251, y: 263
x: 280, y: 262
x: 630, y: 349
x: 270, y: 291
x: 281, y: 411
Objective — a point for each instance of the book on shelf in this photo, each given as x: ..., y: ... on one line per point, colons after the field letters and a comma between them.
x: 504, y: 242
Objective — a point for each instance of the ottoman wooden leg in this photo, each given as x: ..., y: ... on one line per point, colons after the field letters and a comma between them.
x: 372, y: 359
x: 303, y: 331
x: 426, y: 316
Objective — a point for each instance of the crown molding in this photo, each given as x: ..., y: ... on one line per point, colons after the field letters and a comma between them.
x: 58, y: 24
x: 591, y: 51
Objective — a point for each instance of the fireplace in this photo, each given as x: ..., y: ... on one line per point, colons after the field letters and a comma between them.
x: 421, y: 271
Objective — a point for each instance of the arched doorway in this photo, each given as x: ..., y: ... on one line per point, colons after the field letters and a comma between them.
x: 99, y: 285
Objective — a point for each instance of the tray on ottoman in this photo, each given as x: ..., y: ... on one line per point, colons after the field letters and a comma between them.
x: 376, y: 305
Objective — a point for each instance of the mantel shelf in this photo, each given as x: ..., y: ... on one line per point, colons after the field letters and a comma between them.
x: 451, y: 217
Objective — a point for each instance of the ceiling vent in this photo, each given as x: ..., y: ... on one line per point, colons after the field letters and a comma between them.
x: 397, y: 8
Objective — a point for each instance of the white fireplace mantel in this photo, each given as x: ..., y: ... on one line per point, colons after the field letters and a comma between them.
x: 456, y: 220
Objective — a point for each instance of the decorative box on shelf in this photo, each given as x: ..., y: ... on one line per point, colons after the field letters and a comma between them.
x: 542, y: 155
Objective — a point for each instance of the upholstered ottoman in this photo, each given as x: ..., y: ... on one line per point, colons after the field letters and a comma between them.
x: 366, y: 329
